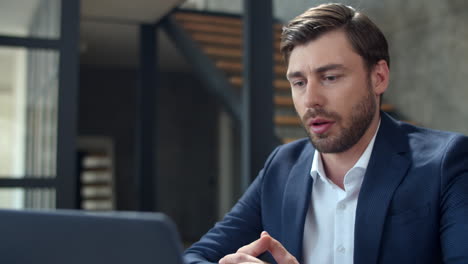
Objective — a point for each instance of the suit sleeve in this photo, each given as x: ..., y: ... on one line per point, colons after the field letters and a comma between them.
x: 454, y: 202
x: 241, y: 226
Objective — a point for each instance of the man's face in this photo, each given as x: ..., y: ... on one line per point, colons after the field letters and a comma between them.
x: 332, y: 92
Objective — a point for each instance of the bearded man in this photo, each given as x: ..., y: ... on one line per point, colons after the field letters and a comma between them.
x: 363, y: 188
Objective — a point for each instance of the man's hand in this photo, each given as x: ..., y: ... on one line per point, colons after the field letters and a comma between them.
x: 248, y: 254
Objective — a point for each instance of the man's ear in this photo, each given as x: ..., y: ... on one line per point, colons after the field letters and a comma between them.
x: 380, y: 77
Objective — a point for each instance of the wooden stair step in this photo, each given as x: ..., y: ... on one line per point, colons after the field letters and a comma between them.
x: 218, y: 29
x: 278, y: 27
x: 229, y: 42
x: 225, y: 20
x: 229, y: 66
x: 223, y: 52
x: 217, y: 39
x: 217, y: 19
x: 231, y: 45
x: 283, y: 120
x: 233, y: 42
x: 288, y: 140
x: 198, y: 17
x: 235, y: 53
x: 210, y: 28
x: 279, y: 84
x: 278, y: 56
x: 236, y: 67
x: 284, y: 101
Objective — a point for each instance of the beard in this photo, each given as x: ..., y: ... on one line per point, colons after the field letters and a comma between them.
x: 349, y: 133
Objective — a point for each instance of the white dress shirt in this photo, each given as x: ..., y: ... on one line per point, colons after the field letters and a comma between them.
x: 329, y: 224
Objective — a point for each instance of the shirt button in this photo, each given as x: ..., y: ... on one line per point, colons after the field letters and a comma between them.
x: 341, y: 249
x: 341, y: 206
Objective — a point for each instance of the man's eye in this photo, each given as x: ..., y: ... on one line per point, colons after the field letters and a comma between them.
x: 331, y: 78
x: 298, y: 83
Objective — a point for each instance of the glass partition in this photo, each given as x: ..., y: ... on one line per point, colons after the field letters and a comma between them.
x: 30, y: 18
x: 21, y: 198
x: 28, y: 120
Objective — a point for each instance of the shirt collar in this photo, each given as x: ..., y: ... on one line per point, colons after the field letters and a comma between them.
x: 317, y: 169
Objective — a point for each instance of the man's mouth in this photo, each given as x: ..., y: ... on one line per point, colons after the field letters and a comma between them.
x: 320, y: 126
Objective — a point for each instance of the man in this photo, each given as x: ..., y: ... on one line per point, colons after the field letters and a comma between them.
x: 368, y: 189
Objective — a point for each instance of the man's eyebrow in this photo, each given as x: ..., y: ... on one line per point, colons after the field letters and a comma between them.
x: 294, y: 74
x: 321, y: 69
x: 330, y: 67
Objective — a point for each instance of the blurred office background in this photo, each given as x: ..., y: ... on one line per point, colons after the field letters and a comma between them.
x: 147, y: 105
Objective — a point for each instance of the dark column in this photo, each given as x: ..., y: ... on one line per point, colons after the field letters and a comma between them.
x: 257, y: 93
x: 146, y: 120
x: 67, y: 105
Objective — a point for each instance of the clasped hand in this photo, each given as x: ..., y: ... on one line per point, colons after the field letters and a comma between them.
x: 248, y: 254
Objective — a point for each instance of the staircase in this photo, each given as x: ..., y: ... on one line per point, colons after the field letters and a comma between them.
x: 220, y: 38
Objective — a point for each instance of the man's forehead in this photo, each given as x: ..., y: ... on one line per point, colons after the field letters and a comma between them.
x: 335, y: 38
x: 330, y: 51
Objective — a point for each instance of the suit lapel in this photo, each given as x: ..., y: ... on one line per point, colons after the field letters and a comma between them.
x: 387, y: 167
x: 296, y: 202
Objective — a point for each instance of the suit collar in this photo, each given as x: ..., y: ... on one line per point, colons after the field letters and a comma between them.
x: 296, y: 202
x: 386, y: 169
x: 387, y: 166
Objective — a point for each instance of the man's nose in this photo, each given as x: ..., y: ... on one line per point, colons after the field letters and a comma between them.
x: 314, y: 95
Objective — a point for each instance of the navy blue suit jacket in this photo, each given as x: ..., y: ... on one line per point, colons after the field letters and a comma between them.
x: 412, y: 207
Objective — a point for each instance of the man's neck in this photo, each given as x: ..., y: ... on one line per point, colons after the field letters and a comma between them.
x: 336, y: 165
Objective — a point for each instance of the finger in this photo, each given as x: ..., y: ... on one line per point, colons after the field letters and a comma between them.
x: 279, y: 253
x: 256, y: 248
x: 238, y: 258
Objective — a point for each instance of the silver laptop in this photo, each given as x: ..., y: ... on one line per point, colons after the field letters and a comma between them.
x: 77, y: 237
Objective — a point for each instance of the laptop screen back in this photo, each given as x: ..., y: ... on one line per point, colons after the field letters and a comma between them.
x: 58, y: 237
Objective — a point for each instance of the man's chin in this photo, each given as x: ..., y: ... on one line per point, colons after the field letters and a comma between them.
x: 321, y: 143
x: 328, y: 144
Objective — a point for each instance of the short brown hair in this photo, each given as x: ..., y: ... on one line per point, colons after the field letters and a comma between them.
x: 365, y: 37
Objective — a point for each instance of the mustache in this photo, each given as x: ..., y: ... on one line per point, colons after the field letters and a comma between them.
x: 314, y: 112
